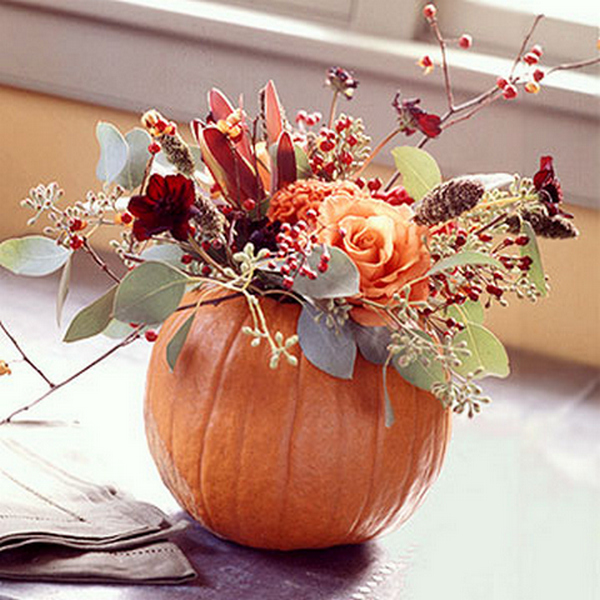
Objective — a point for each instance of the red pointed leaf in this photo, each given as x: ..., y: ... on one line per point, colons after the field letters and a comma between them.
x: 219, y: 105
x: 273, y: 113
x: 286, y: 171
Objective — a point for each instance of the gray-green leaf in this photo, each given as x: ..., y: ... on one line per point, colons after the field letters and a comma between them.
x: 167, y: 253
x: 113, y: 152
x: 177, y: 342
x: 331, y: 349
x: 341, y: 278
x: 420, y: 173
x: 536, y: 270
x: 468, y: 257
x: 488, y: 356
x: 132, y: 174
x: 63, y: 289
x: 373, y: 343
x: 150, y: 293
x: 92, y: 319
x: 33, y: 255
x: 469, y: 312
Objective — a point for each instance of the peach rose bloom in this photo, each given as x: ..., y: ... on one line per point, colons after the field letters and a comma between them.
x: 385, y: 245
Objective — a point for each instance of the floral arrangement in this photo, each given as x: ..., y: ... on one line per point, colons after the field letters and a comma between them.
x: 267, y: 207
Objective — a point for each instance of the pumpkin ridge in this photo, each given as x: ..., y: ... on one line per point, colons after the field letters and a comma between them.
x: 235, y: 513
x: 217, y: 384
x: 376, y: 448
x: 286, y: 486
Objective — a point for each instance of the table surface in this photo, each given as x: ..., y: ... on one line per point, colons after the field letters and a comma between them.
x: 514, y: 515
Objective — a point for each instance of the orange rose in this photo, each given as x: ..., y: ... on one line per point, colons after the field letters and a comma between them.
x: 383, y: 242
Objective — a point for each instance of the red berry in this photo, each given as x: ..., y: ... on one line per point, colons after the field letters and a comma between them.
x: 288, y: 282
x: 494, y: 290
x: 76, y: 224
x: 186, y: 259
x: 510, y: 91
x: 326, y: 146
x: 154, y: 148
x: 301, y: 116
x: 226, y: 209
x: 531, y: 59
x: 374, y: 184
x: 126, y: 218
x: 323, y: 266
x: 522, y: 240
x: 76, y: 242
x: 485, y: 237
x: 151, y: 335
x: 249, y: 204
x: 352, y: 140
x: 465, y: 41
x: 538, y: 75
x: 537, y: 50
x: 329, y: 168
x: 347, y: 158
x: 206, y: 270
x: 429, y: 11
x: 501, y: 82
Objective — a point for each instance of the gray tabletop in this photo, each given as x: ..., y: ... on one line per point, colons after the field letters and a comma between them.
x: 514, y: 515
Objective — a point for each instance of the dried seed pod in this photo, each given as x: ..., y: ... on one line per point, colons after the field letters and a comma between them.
x: 178, y: 153
x: 448, y: 200
x: 555, y: 227
x: 208, y: 218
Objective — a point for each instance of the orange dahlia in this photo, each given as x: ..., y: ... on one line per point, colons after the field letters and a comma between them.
x: 290, y: 204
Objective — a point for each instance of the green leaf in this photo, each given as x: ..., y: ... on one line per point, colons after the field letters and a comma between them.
x: 387, y: 401
x: 302, y: 164
x: 117, y: 330
x: 487, y: 352
x: 418, y: 168
x: 536, y: 270
x: 373, y: 343
x: 332, y: 350
x: 92, y: 319
x: 167, y: 253
x: 420, y: 375
x: 34, y: 255
x: 468, y: 257
x: 113, y: 152
x: 138, y: 155
x: 177, y: 342
x: 341, y: 278
x: 469, y: 312
x: 149, y: 293
x: 63, y: 289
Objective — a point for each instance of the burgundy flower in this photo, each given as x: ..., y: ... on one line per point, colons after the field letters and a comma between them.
x: 342, y: 81
x: 548, y: 186
x: 411, y: 118
x: 166, y: 206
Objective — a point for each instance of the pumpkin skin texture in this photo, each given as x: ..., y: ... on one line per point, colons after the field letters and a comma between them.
x: 291, y: 457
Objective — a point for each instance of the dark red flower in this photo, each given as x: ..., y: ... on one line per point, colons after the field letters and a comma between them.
x: 411, y: 118
x: 341, y: 81
x: 548, y: 186
x: 166, y: 206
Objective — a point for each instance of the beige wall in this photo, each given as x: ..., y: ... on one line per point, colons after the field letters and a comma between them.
x: 48, y: 139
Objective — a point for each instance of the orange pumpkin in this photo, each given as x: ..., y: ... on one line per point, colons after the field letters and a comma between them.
x: 290, y: 457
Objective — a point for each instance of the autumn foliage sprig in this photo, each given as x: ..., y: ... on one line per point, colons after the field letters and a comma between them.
x: 398, y: 272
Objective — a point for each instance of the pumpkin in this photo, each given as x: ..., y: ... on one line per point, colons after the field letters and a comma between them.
x: 291, y: 457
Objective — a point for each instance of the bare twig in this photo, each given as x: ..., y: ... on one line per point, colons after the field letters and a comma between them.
x: 376, y: 151
x: 94, y: 256
x: 334, y: 102
x: 575, y: 65
x: 25, y: 357
x: 526, y: 39
x: 445, y: 69
x: 54, y: 387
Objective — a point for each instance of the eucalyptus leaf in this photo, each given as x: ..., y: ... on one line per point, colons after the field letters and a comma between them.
x: 340, y: 280
x: 63, y: 289
x: 469, y: 312
x: 138, y: 155
x: 467, y: 257
x: 488, y: 355
x: 420, y: 173
x: 536, y: 270
x: 330, y: 349
x: 113, y: 152
x: 167, y: 253
x: 373, y: 343
x: 387, y: 401
x: 149, y: 293
x: 117, y: 330
x: 33, y: 255
x: 177, y: 342
x: 423, y: 376
x: 93, y: 319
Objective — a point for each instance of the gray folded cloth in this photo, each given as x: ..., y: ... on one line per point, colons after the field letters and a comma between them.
x: 56, y: 526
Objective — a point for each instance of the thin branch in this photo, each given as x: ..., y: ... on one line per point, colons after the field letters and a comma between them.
x: 375, y: 152
x: 54, y: 387
x: 334, y: 102
x: 526, y: 39
x: 25, y: 357
x: 446, y: 71
x: 94, y: 256
x: 575, y: 65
